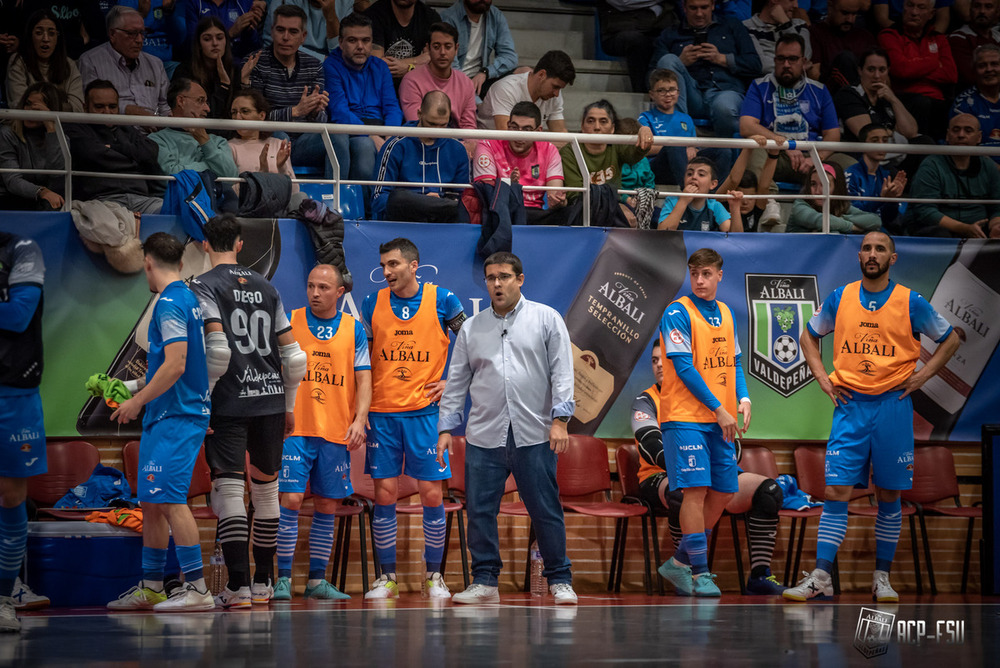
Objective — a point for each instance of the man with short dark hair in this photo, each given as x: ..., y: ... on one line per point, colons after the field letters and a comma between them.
x: 553, y: 72
x: 322, y: 23
x: 437, y: 74
x: 400, y: 29
x: 112, y: 149
x: 837, y: 42
x: 482, y: 30
x: 981, y: 29
x: 192, y: 148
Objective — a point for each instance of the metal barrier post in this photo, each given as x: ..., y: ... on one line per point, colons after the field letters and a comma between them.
x: 67, y: 164
x: 824, y: 183
x: 332, y: 157
x: 585, y: 174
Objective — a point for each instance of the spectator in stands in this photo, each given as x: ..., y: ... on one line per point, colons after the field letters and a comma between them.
x: 691, y: 210
x: 873, y: 101
x: 530, y: 163
x: 888, y: 13
x: 667, y: 162
x: 113, y: 149
x: 256, y: 150
x: 360, y: 90
x: 138, y: 77
x: 983, y: 99
x: 921, y: 65
x: 163, y: 25
x: 191, y: 148
x: 293, y: 83
x: 788, y: 105
x: 980, y: 29
x: 32, y: 145
x: 869, y: 178
x: 400, y: 30
x: 322, y: 23
x: 482, y: 30
x: 757, y: 215
x: 210, y: 63
x: 951, y: 179
x: 41, y: 56
x: 713, y: 59
x: 81, y: 22
x: 604, y: 161
x: 807, y: 213
x: 772, y: 21
x: 628, y: 30
x: 541, y: 86
x: 837, y: 44
x: 242, y: 19
x: 422, y: 159
x: 638, y: 177
x: 437, y: 74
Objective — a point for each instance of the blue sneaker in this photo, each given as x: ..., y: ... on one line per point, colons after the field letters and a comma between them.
x: 282, y: 590
x: 704, y: 585
x: 765, y: 585
x: 678, y: 575
x: 325, y: 591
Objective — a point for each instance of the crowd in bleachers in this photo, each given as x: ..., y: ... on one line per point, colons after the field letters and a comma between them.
x: 916, y: 71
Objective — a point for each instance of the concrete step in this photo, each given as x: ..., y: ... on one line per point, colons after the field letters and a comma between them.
x: 531, y: 44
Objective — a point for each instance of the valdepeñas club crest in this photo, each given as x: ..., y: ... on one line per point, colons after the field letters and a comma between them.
x: 779, y: 306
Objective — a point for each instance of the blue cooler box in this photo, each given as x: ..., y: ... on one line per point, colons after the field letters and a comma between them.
x: 83, y: 563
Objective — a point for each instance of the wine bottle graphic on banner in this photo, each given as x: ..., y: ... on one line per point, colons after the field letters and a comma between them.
x: 968, y: 296
x: 616, y: 312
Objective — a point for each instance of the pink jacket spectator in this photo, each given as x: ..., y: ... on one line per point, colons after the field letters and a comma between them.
x: 458, y: 87
x: 246, y: 154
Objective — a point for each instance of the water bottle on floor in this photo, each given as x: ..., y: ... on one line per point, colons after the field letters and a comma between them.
x: 218, y: 577
x: 538, y: 581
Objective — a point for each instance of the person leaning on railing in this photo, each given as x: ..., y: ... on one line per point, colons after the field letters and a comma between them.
x: 32, y: 145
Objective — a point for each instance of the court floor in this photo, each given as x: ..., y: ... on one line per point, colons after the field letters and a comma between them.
x: 941, y: 631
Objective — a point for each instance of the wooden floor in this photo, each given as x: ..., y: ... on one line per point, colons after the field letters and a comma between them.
x: 611, y: 630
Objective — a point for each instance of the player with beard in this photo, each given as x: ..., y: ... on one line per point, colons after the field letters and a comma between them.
x: 876, y: 325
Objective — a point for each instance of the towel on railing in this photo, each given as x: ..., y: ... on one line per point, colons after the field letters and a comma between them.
x: 109, y: 228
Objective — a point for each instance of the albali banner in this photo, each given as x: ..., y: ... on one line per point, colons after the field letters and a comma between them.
x: 611, y: 286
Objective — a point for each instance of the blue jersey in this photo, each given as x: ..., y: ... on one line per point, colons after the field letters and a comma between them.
x: 923, y: 318
x: 860, y: 182
x: 708, y: 218
x: 325, y: 328
x: 988, y: 113
x: 448, y: 307
x: 677, y: 124
x: 806, y: 113
x: 177, y: 317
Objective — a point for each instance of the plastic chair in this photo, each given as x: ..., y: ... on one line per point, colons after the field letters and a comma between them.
x: 347, y: 510
x: 201, y: 479
x: 627, y: 463
x: 934, y: 482
x: 70, y: 463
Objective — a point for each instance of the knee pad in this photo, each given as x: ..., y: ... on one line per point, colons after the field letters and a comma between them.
x: 227, y: 496
x: 675, y: 498
x: 767, y: 499
x: 265, y: 498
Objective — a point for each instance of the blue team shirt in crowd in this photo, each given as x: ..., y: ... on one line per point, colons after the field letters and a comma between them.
x: 707, y: 218
x: 988, y: 113
x: 677, y: 124
x: 806, y: 117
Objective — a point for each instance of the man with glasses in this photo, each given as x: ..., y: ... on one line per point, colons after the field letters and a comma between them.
x: 192, y: 148
x: 983, y: 99
x: 139, y: 78
x: 517, y: 424
x: 981, y: 29
x: 530, y: 163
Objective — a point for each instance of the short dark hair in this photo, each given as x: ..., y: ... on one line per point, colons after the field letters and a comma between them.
x: 406, y: 248
x: 446, y: 28
x: 222, y: 231
x: 504, y: 257
x: 260, y: 102
x: 749, y: 180
x: 874, y: 51
x: 869, y: 128
x: 705, y: 257
x: 658, y: 75
x: 892, y: 242
x: 178, y: 87
x: 605, y: 106
x: 792, y: 38
x: 656, y: 343
x: 355, y: 20
x: 98, y: 84
x: 165, y: 249
x: 292, y: 11
x: 527, y: 110
x: 702, y: 160
x: 557, y: 64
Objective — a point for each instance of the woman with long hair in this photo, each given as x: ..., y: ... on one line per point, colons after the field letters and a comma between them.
x: 253, y: 150
x: 210, y: 63
x: 28, y: 144
x: 41, y: 56
x: 807, y: 213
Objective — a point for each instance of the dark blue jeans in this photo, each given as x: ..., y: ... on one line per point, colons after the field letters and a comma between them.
x: 534, y: 469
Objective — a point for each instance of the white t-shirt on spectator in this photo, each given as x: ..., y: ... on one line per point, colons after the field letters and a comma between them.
x: 474, y: 55
x: 507, y: 92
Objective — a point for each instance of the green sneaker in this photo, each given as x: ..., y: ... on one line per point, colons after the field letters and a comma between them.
x: 282, y: 590
x: 325, y: 591
x: 138, y: 598
x: 678, y: 575
x: 704, y: 585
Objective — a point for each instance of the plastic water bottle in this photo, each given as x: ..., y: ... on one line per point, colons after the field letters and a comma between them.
x: 218, y: 575
x: 538, y: 581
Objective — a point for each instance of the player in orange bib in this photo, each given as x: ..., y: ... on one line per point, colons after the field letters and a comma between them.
x: 703, y: 390
x: 330, y: 414
x: 407, y: 324
x: 876, y: 325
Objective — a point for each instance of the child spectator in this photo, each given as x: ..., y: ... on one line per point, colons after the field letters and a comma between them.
x: 807, y: 213
x: 637, y: 177
x: 210, y: 63
x: 693, y: 211
x: 254, y: 150
x: 41, y: 56
x: 758, y: 215
x: 868, y: 178
x: 32, y: 145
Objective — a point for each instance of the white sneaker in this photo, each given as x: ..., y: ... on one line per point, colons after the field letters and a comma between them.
x: 384, y: 587
x: 227, y: 598
x: 477, y: 593
x: 261, y: 593
x: 813, y: 585
x: 9, y: 623
x: 138, y: 598
x: 770, y: 217
x: 882, y: 591
x: 563, y: 593
x: 25, y: 599
x: 434, y: 587
x: 186, y: 598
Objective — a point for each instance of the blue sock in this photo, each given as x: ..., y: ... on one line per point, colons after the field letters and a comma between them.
x: 832, y: 529
x: 288, y: 536
x: 887, y: 525
x: 697, y: 550
x: 681, y: 554
x: 434, y: 525
x: 14, y: 528
x: 384, y: 528
x: 190, y: 560
x: 320, y: 544
x: 154, y: 560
